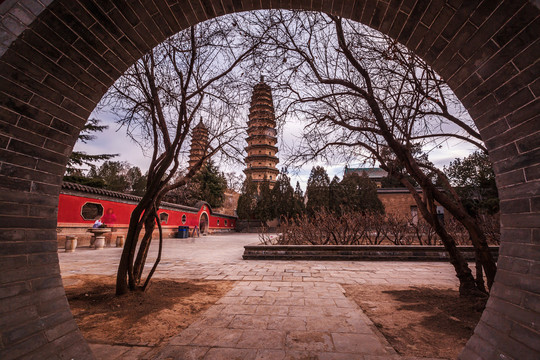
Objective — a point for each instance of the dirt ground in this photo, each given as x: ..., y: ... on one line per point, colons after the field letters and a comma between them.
x: 144, y: 319
x: 419, y: 321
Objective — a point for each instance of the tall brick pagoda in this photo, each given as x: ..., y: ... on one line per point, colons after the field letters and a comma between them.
x: 262, y: 160
x: 199, y: 144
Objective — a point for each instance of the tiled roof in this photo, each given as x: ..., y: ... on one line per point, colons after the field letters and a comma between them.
x: 371, y: 172
x: 97, y: 191
x: 119, y: 195
x: 402, y: 190
x: 200, y: 125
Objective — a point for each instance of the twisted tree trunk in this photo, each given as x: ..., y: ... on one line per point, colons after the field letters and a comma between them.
x: 426, y: 206
x: 124, y: 277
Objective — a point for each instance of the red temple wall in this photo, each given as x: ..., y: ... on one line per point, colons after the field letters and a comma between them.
x: 71, y: 222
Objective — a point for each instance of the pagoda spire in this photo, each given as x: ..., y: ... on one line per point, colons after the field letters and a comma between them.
x: 262, y: 160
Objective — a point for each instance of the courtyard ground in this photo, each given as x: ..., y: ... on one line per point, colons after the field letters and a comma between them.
x: 275, y: 309
x: 139, y: 319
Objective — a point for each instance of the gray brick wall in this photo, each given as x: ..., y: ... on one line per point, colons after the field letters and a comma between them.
x: 57, y: 58
x: 15, y: 17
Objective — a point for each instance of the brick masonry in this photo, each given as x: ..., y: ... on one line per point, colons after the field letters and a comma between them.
x: 397, y: 203
x: 59, y: 57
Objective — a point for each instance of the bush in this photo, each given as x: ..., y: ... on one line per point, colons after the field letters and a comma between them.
x: 370, y: 228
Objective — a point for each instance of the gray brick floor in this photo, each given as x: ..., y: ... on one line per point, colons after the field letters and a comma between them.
x: 276, y: 310
x: 278, y: 320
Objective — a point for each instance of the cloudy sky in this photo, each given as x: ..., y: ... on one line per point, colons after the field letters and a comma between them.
x: 115, y: 141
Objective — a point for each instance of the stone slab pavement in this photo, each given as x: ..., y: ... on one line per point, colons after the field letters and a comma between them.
x: 276, y: 310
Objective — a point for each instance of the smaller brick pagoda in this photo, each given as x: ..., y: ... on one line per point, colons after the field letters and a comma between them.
x: 199, y: 144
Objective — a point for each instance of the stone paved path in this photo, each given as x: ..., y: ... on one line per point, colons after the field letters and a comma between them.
x: 280, y: 320
x: 276, y: 310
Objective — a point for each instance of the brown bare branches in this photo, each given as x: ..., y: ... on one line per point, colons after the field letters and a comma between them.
x: 371, y: 97
x: 192, y: 74
x: 357, y: 228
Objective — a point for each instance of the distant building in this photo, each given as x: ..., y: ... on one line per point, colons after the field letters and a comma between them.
x: 399, y: 202
x: 199, y: 144
x: 375, y: 174
x: 262, y: 160
x: 230, y: 203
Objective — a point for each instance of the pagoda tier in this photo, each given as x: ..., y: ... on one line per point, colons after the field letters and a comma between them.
x: 262, y: 122
x: 261, y: 140
x: 262, y: 148
x: 262, y: 160
x: 262, y: 131
x: 260, y: 174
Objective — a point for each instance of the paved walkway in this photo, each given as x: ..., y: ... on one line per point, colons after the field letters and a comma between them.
x: 276, y: 310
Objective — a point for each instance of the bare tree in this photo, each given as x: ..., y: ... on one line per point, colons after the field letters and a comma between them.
x: 234, y: 181
x: 193, y: 73
x: 397, y: 230
x: 425, y: 235
x: 376, y: 229
x: 363, y: 95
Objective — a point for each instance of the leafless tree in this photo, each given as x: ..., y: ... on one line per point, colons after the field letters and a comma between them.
x: 159, y: 100
x: 491, y: 226
x: 425, y: 235
x: 376, y: 229
x: 234, y: 181
x: 364, y: 95
x: 397, y: 229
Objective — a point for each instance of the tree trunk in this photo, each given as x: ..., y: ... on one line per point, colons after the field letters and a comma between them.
x: 467, y: 285
x: 478, y: 238
x: 453, y: 206
x: 140, y: 260
x: 404, y: 156
x: 479, y: 242
x: 160, y: 250
x: 124, y: 276
x: 128, y: 251
x: 479, y: 275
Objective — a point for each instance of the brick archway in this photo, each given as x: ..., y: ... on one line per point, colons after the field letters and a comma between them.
x: 58, y: 60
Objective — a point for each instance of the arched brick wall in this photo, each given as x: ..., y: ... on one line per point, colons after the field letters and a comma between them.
x: 59, y: 57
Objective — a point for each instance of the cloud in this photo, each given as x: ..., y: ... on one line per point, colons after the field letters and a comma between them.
x: 115, y: 140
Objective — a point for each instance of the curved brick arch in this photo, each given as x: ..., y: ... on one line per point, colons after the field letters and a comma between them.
x: 58, y: 59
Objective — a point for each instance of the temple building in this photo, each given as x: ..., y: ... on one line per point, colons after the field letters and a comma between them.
x: 262, y: 160
x: 199, y: 144
x: 374, y: 174
x: 397, y: 201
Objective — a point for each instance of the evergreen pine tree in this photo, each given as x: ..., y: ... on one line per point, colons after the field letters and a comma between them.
x: 317, y: 191
x: 247, y: 201
x: 113, y: 174
x: 283, y: 196
x: 335, y: 195
x: 359, y: 194
x: 210, y: 185
x: 298, y: 206
x: 265, y: 209
x: 80, y: 158
x: 136, y: 180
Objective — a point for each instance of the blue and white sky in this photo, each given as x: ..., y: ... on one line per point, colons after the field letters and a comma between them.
x: 114, y: 140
